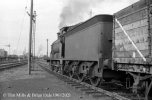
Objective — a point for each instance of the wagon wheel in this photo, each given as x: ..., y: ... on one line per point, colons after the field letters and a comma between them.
x: 149, y: 92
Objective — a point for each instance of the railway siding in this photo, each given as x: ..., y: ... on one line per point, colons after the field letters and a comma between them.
x: 111, y: 93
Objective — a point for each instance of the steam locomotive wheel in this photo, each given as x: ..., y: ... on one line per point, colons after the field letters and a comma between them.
x: 71, y: 74
x: 55, y: 69
x: 52, y: 68
x: 95, y: 80
x: 81, y: 77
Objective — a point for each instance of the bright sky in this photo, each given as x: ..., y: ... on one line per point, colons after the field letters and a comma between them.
x: 14, y: 22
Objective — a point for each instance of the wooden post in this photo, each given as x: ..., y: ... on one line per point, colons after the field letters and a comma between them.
x: 30, y: 38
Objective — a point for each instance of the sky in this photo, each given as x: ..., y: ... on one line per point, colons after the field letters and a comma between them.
x: 51, y: 15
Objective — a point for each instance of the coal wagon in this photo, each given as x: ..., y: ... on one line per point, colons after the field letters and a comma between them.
x: 132, y: 44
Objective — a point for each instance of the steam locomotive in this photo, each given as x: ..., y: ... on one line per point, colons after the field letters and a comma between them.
x: 109, y: 47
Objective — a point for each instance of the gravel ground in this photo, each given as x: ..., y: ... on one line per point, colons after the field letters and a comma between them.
x: 16, y: 84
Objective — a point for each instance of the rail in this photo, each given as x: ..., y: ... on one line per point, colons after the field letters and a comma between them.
x: 12, y: 64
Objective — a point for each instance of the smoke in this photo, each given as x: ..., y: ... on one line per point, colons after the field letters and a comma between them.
x: 79, y: 10
x: 76, y: 11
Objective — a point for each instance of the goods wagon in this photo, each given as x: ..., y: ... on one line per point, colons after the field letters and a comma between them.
x: 135, y: 20
x: 132, y: 43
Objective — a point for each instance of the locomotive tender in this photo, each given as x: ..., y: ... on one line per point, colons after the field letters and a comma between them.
x: 98, y: 49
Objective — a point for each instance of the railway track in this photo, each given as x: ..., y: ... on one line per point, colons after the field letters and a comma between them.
x: 8, y: 61
x: 111, y: 90
x: 12, y: 64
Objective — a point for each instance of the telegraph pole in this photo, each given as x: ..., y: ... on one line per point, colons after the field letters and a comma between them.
x: 34, y: 31
x: 30, y: 37
x: 47, y: 47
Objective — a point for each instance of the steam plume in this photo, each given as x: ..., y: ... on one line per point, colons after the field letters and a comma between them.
x: 79, y: 10
x: 76, y: 10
